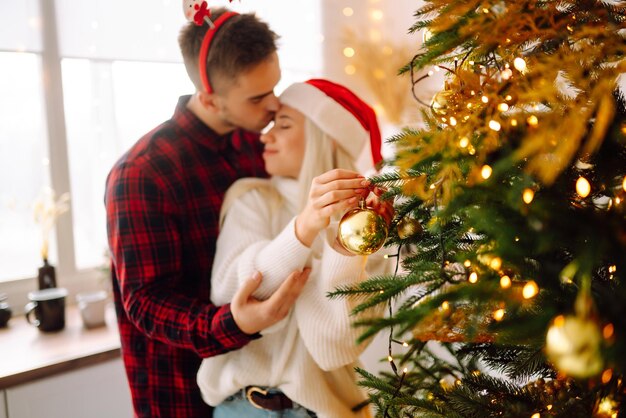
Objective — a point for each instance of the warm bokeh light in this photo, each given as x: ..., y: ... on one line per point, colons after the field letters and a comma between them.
x: 583, y: 188
x: 495, y: 263
x: 486, y: 171
x: 376, y: 14
x: 505, y: 282
x: 350, y: 69
x: 348, y: 52
x: 347, y: 11
x: 528, y: 195
x: 519, y: 64
x: 530, y: 290
x: 498, y: 315
x: 494, y: 125
x: 473, y: 278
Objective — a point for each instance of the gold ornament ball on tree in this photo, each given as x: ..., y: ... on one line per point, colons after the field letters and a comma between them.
x: 407, y: 227
x: 362, y: 231
x: 440, y: 104
x: 573, y: 345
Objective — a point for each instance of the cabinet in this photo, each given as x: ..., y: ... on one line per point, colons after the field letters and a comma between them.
x: 3, y: 405
x: 98, y: 391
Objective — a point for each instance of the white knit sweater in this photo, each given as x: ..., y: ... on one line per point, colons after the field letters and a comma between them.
x: 312, y: 353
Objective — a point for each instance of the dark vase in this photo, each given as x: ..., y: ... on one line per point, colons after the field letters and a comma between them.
x: 47, y: 276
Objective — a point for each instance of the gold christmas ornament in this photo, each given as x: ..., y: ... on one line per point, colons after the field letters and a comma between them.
x: 362, y: 231
x: 573, y: 345
x: 441, y: 102
x: 407, y: 227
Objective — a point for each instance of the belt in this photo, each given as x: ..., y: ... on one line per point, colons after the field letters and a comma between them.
x: 264, y: 399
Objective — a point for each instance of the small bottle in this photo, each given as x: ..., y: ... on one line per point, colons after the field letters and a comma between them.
x: 47, y: 276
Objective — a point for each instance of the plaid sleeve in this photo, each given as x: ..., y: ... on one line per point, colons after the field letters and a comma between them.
x: 146, y: 248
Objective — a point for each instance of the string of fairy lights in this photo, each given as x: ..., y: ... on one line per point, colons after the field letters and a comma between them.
x: 371, y: 54
x: 376, y: 16
x: 440, y: 106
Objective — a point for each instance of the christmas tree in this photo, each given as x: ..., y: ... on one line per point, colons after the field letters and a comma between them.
x: 510, y: 296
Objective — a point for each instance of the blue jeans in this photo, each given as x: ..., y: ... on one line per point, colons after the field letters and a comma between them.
x: 237, y: 406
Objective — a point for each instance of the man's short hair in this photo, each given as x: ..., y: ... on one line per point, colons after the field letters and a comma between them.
x: 242, y: 42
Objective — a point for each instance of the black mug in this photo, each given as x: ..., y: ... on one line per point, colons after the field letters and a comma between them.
x: 48, y: 306
x: 5, y: 310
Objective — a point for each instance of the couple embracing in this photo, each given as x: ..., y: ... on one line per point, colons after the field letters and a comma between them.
x: 223, y: 240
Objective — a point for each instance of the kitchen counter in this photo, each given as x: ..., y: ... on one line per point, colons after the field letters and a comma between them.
x: 27, y: 354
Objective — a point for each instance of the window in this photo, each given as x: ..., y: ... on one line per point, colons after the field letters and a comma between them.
x: 119, y: 75
x: 23, y: 162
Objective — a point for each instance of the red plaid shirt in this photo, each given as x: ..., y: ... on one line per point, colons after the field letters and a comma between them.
x: 163, y: 199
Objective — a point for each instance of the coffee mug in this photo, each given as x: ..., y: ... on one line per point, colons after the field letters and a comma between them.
x: 48, y: 305
x: 92, y: 307
x: 5, y: 310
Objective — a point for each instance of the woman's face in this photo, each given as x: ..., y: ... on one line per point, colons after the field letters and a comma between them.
x: 284, y: 144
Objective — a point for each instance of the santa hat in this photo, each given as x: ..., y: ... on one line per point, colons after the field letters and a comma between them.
x: 339, y: 113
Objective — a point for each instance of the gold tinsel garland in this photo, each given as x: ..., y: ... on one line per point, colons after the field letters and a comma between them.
x: 514, y: 93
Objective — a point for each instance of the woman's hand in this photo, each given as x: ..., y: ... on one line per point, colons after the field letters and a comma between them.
x: 330, y: 193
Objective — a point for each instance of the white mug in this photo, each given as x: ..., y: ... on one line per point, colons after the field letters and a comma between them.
x: 92, y: 308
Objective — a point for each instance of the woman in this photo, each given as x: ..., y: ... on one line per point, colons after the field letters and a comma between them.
x: 303, y: 365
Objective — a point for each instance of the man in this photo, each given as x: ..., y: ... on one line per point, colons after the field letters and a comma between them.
x: 163, y: 199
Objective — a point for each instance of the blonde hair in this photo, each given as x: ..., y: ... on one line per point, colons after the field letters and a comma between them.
x: 321, y: 154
